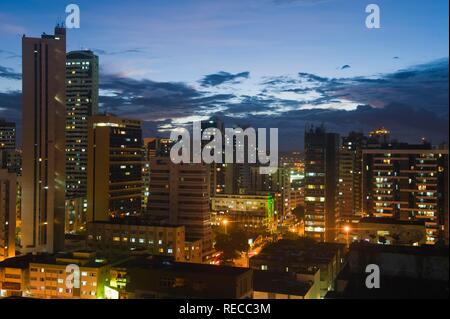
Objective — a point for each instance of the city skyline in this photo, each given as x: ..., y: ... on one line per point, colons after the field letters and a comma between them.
x: 286, y: 87
x: 254, y: 149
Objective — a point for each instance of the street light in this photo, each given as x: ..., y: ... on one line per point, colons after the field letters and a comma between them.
x: 347, y: 231
x: 225, y: 223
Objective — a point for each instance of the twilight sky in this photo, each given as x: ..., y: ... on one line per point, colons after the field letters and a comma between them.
x: 267, y: 63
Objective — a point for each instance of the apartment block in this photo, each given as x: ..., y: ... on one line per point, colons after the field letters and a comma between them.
x: 407, y: 182
x: 114, y: 168
x: 122, y: 236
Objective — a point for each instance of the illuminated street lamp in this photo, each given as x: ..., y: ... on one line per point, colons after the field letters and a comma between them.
x: 225, y: 223
x: 347, y: 231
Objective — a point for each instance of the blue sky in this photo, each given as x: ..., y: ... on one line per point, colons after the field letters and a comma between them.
x: 184, y: 43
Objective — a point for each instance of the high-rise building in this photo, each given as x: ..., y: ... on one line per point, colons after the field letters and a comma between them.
x: 349, y: 202
x: 7, y: 135
x: 114, y: 167
x: 321, y: 178
x: 218, y: 170
x: 9, y: 155
x: 7, y: 214
x: 153, y: 147
x: 407, y: 182
x: 179, y: 194
x: 81, y: 102
x: 44, y: 161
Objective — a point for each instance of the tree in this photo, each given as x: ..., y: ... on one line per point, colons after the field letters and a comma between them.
x: 299, y: 212
x: 231, y: 244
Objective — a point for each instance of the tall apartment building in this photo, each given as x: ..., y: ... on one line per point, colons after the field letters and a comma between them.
x: 153, y: 147
x: 114, y: 167
x: 8, y: 190
x: 179, y: 193
x: 321, y: 178
x: 44, y: 161
x: 349, y: 203
x: 9, y: 155
x: 81, y: 102
x: 218, y: 170
x: 407, y: 182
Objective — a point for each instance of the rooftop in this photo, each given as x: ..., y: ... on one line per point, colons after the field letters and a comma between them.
x: 300, y: 250
x: 152, y: 262
x: 384, y: 220
x: 274, y: 282
x: 425, y: 250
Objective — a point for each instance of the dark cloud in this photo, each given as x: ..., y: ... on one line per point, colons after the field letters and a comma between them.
x: 104, y: 52
x: 8, y: 73
x: 223, y: 77
x: 412, y: 102
x: 312, y: 77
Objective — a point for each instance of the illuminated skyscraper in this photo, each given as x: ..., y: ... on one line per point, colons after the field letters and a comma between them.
x: 81, y: 102
x: 349, y: 203
x: 44, y: 117
x: 321, y: 178
x: 114, y: 167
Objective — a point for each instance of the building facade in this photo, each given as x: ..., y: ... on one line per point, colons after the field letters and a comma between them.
x: 247, y: 211
x: 122, y: 237
x: 114, y: 168
x: 8, y: 192
x: 47, y: 279
x: 44, y: 161
x: 81, y: 102
x: 321, y: 180
x: 407, y: 182
x: 179, y: 193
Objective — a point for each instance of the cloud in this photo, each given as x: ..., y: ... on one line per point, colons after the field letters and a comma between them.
x: 9, y: 54
x: 412, y: 102
x: 128, y: 51
x: 223, y: 77
x: 9, y: 73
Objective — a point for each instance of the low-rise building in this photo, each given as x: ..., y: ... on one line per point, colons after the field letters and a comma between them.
x: 127, y: 235
x: 403, y: 272
x: 388, y: 231
x: 48, y: 279
x: 249, y: 211
x: 274, y: 285
x: 294, y: 256
x: 155, y: 278
x: 14, y: 275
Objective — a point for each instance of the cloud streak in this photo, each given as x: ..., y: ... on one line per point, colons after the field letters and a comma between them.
x: 223, y: 77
